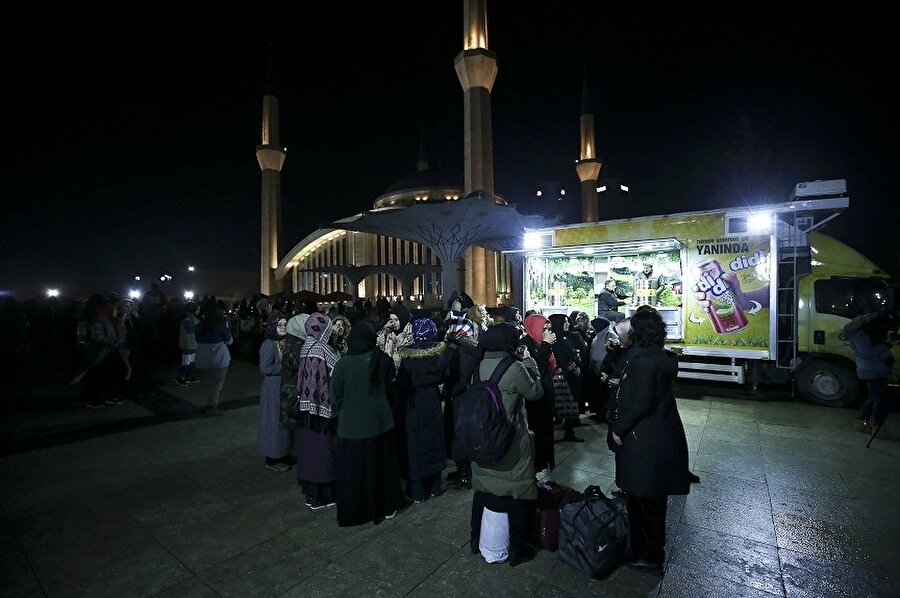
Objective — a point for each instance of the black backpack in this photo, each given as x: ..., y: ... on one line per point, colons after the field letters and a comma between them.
x: 481, y: 431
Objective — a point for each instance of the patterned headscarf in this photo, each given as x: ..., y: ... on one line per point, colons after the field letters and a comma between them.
x: 318, y: 331
x: 424, y: 331
x: 340, y: 343
x: 461, y: 328
x: 317, y: 361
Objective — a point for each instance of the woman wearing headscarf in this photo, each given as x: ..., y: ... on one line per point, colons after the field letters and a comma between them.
x: 567, y: 377
x: 397, y: 332
x: 316, y: 424
x: 368, y: 482
x: 479, y: 315
x: 462, y: 356
x: 420, y: 422
x: 508, y: 485
x: 340, y: 330
x: 290, y: 367
x: 273, y: 441
x: 648, y: 439
x: 539, y: 340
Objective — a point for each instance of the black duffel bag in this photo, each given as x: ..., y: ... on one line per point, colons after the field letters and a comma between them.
x: 593, y: 533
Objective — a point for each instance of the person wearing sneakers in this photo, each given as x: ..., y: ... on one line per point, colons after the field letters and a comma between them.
x: 273, y: 441
x: 187, y: 342
x: 316, y: 434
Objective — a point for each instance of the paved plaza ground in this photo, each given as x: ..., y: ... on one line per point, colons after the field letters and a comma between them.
x: 154, y: 499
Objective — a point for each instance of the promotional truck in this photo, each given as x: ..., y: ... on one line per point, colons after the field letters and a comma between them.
x: 749, y: 295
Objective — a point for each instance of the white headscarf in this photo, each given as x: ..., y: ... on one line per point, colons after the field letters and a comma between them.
x: 296, y: 326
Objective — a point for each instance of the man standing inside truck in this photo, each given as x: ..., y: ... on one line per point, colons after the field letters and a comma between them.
x: 648, y: 283
x: 608, y: 302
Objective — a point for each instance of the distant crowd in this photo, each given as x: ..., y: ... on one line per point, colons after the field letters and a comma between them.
x: 359, y: 398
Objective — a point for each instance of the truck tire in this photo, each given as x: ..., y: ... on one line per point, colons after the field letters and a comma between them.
x: 828, y: 383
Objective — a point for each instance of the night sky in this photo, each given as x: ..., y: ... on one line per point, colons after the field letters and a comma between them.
x: 130, y: 138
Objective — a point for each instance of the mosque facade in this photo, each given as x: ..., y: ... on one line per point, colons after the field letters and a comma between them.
x: 362, y: 257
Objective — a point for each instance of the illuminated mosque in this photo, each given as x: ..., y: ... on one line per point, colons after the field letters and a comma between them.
x: 451, y: 237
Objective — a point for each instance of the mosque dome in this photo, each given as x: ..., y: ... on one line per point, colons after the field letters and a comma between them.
x: 424, y: 185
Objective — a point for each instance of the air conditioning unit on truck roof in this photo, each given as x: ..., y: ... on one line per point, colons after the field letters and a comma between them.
x: 819, y: 189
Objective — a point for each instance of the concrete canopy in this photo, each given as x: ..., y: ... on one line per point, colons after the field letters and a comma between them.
x: 449, y: 228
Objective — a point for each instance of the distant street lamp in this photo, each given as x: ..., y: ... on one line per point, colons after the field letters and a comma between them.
x: 53, y: 292
x: 134, y: 294
x: 191, y: 268
x: 188, y: 295
x: 137, y: 277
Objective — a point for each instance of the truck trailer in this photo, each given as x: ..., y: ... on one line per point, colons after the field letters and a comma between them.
x: 750, y: 295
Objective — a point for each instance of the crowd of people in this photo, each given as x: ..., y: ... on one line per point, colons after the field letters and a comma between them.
x: 363, y: 410
x: 358, y: 399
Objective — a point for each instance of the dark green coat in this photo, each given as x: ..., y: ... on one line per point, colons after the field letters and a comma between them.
x: 362, y: 408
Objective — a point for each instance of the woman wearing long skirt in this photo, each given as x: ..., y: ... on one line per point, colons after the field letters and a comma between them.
x: 316, y: 424
x: 273, y: 441
x: 422, y: 452
x: 368, y: 484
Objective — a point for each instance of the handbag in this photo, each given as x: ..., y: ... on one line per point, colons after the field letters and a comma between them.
x: 564, y: 404
x: 494, y: 540
x: 593, y: 534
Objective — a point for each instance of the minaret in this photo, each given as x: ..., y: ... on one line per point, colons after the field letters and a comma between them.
x: 422, y: 164
x: 270, y: 156
x: 476, y: 68
x: 588, y: 166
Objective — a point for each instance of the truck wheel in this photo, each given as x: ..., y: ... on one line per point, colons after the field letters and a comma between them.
x: 827, y: 383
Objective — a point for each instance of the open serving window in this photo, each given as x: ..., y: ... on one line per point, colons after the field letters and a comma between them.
x: 565, y: 279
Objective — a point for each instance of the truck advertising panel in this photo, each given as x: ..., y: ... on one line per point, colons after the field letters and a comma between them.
x: 722, y: 281
x: 730, y: 279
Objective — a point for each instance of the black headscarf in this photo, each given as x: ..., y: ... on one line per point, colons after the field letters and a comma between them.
x: 500, y: 337
x: 563, y: 349
x: 600, y: 324
x: 557, y: 321
x: 361, y: 339
x: 402, y: 314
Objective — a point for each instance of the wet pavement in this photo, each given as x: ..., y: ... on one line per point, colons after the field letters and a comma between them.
x: 153, y: 499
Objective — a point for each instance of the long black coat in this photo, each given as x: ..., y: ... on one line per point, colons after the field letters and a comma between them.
x: 461, y: 357
x: 418, y: 417
x: 540, y: 412
x: 653, y: 458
